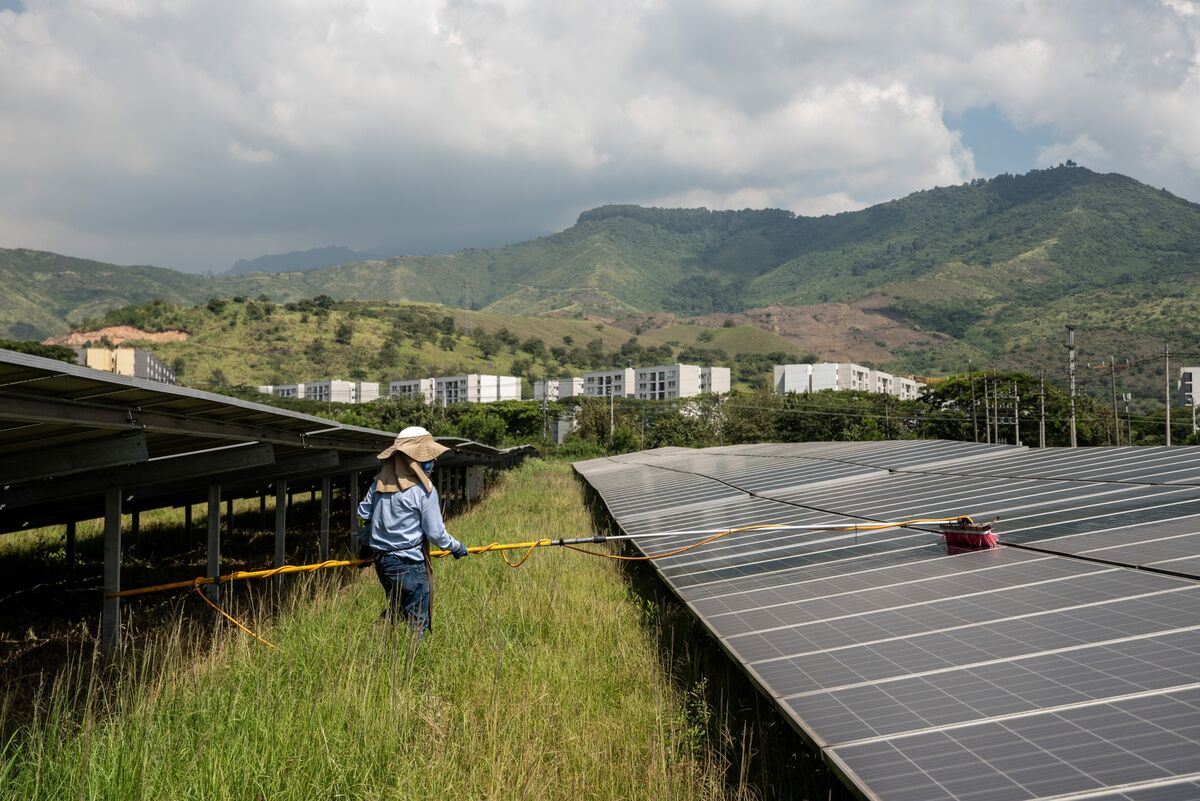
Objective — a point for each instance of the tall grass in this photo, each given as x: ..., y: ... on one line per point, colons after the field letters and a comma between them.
x: 539, y: 683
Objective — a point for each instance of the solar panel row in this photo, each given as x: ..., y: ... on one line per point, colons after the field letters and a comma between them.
x: 1044, y: 670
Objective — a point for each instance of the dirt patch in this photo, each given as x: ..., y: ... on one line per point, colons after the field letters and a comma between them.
x: 867, y: 330
x: 639, y: 323
x: 117, y: 334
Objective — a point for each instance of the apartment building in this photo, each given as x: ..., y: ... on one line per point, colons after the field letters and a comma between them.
x: 283, y: 390
x: 336, y: 391
x: 133, y: 362
x: 714, y: 380
x: 423, y: 388
x: 603, y: 383
x: 1185, y: 393
x: 551, y: 389
x: 842, y: 376
x: 908, y: 388
x: 332, y: 391
x: 476, y: 388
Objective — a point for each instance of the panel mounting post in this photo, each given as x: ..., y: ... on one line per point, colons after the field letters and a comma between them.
x: 214, y: 540
x: 326, y: 491
x: 281, y: 508
x: 353, y: 539
x: 110, y: 617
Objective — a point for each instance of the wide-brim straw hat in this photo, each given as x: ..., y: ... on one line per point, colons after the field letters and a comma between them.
x: 416, y: 443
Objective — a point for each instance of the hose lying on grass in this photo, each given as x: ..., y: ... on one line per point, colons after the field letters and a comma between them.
x: 528, y: 547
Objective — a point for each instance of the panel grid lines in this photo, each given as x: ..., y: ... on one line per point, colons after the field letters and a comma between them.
x: 928, y: 673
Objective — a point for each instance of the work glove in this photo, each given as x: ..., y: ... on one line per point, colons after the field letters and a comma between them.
x: 364, y: 552
x: 459, y: 552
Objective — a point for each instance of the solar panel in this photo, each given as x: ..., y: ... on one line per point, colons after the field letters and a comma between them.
x: 1036, y: 670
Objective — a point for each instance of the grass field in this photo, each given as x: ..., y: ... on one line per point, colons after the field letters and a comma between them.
x: 542, y: 682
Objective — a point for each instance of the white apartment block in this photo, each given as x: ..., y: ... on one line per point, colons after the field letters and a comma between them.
x: 908, y: 388
x: 283, y: 390
x: 842, y: 376
x: 602, y: 383
x: 881, y: 382
x: 423, y: 388
x: 660, y: 382
x: 1186, y: 394
x: 663, y: 382
x: 714, y: 380
x: 551, y: 389
x: 333, y: 391
x: 476, y: 388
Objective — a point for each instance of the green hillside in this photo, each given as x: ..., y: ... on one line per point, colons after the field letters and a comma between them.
x: 45, y: 293
x: 988, y: 270
x: 248, y: 342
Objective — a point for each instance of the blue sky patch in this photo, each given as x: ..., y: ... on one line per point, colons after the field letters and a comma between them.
x: 997, y: 145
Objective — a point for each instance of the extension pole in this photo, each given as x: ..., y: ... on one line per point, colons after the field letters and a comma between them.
x: 1071, y: 372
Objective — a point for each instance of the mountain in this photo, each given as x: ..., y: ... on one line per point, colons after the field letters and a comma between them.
x: 296, y: 261
x: 989, y: 269
x: 45, y: 293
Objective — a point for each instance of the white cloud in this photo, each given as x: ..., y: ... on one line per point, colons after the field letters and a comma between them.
x: 127, y: 126
x: 1082, y: 149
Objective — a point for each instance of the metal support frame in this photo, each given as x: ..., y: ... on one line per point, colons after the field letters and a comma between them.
x: 135, y: 527
x: 326, y: 491
x: 229, y: 516
x: 135, y: 478
x: 77, y: 457
x: 281, y: 506
x: 110, y: 616
x: 214, y: 540
x: 187, y: 526
x: 48, y: 410
x: 353, y: 538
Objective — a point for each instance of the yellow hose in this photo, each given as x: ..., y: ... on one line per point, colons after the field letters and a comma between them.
x: 529, y: 547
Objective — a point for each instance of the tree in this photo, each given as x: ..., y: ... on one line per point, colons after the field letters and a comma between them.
x: 344, y: 333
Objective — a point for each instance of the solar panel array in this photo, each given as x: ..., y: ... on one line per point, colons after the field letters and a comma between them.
x: 1065, y: 665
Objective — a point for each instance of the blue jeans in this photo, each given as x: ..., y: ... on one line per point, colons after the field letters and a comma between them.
x: 407, y: 586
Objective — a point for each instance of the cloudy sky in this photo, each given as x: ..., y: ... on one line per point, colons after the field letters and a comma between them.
x: 189, y: 133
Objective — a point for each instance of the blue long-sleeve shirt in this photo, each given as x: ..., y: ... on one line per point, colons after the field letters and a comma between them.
x: 400, y: 519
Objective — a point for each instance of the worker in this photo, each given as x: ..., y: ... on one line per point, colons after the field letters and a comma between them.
x: 402, y: 517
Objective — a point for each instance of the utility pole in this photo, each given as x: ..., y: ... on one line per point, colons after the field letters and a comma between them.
x: 987, y: 412
x: 1071, y: 373
x: 1126, y: 396
x: 996, y: 408
x: 612, y: 416
x: 1042, y: 409
x: 974, y: 413
x: 1167, y: 354
x: 1112, y: 377
x: 1016, y: 414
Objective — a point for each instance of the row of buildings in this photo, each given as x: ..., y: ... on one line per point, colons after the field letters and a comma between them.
x: 661, y: 382
x: 440, y: 391
x: 843, y: 376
